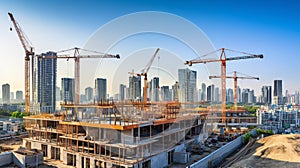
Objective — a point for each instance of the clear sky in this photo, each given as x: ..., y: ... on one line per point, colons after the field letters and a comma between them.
x: 267, y: 27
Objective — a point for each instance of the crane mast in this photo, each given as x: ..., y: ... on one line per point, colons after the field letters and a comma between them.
x: 28, y: 52
x: 235, y: 78
x: 223, y: 61
x: 144, y: 72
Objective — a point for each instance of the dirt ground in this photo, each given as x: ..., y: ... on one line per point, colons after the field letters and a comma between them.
x: 273, y: 151
x: 10, y: 145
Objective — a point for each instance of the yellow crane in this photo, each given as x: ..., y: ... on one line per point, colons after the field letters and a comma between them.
x: 29, y: 52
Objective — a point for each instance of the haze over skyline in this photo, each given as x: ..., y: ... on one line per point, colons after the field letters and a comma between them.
x: 253, y: 26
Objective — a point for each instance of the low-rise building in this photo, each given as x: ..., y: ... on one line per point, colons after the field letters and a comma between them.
x: 12, y: 126
x: 278, y: 117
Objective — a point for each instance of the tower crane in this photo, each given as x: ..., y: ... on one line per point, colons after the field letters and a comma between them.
x: 144, y: 73
x: 235, y: 78
x: 77, y: 56
x: 223, y: 61
x: 29, y: 52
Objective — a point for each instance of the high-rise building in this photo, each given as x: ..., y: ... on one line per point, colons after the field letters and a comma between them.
x: 245, y: 95
x: 122, y: 92
x: 239, y: 95
x: 46, y: 82
x: 165, y: 93
x: 203, y: 92
x: 188, y: 85
x: 277, y: 95
x: 175, y: 92
x: 127, y: 93
x: 211, y: 93
x: 248, y: 96
x: 135, y: 87
x: 19, y: 95
x: 266, y: 94
x: 101, y: 89
x: 82, y: 98
x: 89, y: 94
x: 67, y: 89
x: 58, y: 94
x: 217, y: 94
x: 6, y: 93
x: 154, y: 89
x: 12, y: 95
x: 229, y: 96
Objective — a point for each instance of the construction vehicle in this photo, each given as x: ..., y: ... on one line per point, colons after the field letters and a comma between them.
x: 29, y: 52
x: 235, y: 78
x: 223, y: 59
x: 77, y: 56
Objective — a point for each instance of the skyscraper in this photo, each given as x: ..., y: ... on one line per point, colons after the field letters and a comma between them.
x: 188, y: 85
x: 101, y: 89
x: 6, y: 93
x: 165, y: 93
x: 67, y: 89
x: 154, y: 89
x: 277, y: 95
x: 135, y: 87
x: 58, y: 94
x: 89, y: 94
x: 239, y: 95
x: 248, y: 96
x: 175, y: 91
x: 266, y: 94
x: 46, y: 81
x: 217, y: 94
x: 229, y: 96
x: 19, y: 95
x: 203, y: 92
x: 211, y: 93
x: 122, y: 92
x: 12, y: 95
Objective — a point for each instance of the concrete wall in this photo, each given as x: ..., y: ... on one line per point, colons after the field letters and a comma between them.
x: 23, y: 160
x: 6, y: 158
x: 127, y: 137
x: 216, y: 157
x: 160, y: 160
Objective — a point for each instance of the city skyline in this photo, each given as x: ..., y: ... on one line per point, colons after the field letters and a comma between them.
x: 258, y: 32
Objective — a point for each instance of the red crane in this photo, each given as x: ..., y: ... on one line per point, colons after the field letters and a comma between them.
x: 223, y: 61
x: 28, y: 52
x: 235, y: 78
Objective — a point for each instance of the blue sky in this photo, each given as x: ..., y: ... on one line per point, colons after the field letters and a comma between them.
x: 268, y: 27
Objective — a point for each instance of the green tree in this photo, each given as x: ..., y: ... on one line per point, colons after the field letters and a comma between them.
x: 17, y: 114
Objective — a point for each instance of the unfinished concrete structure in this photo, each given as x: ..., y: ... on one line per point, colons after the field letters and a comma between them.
x: 116, y: 134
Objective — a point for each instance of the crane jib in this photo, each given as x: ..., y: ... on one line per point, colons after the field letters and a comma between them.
x: 245, y: 57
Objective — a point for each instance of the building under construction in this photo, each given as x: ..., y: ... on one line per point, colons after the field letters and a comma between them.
x: 116, y: 134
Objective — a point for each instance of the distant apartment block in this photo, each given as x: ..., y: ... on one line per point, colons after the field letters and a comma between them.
x: 67, y: 90
x: 6, y: 93
x: 19, y: 95
x: 188, y: 85
x: 135, y: 87
x: 101, y: 89
x: 89, y: 94
x: 277, y: 95
x: 278, y: 118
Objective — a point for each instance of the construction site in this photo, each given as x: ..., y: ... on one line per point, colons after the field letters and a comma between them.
x: 132, y: 133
